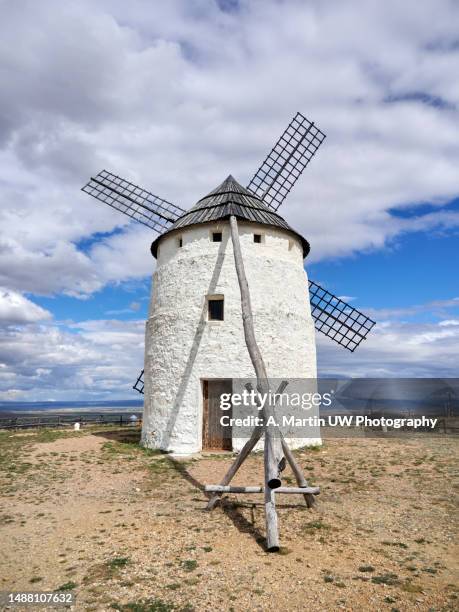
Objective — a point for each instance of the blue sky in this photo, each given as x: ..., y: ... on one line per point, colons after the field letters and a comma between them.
x: 415, y: 269
x: 175, y: 96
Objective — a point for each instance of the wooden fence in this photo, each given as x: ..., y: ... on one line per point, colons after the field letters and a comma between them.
x: 68, y: 420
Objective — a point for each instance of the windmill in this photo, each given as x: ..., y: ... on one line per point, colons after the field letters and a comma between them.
x: 195, y: 343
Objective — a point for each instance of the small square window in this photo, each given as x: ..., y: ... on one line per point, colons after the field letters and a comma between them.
x: 216, y: 236
x: 215, y: 309
x: 257, y: 238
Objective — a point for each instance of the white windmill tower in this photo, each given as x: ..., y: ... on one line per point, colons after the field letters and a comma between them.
x: 196, y: 340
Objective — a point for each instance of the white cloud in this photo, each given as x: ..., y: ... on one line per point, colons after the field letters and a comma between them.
x: 399, y: 345
x: 453, y: 322
x: 91, y: 360
x: 437, y: 308
x: 38, y: 242
x: 15, y: 308
x: 124, y: 256
x: 99, y: 359
x: 397, y: 350
x: 176, y: 95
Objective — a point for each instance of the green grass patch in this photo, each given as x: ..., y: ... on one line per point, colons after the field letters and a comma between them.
x: 318, y: 525
x: 67, y: 586
x: 107, y: 570
x: 388, y: 578
x: 118, y: 562
x: 150, y: 605
x: 128, y: 446
x: 399, y: 544
x: 189, y: 565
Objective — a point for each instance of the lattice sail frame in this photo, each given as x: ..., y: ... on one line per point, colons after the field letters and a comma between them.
x: 132, y: 200
x: 139, y: 383
x: 333, y: 317
x: 286, y: 161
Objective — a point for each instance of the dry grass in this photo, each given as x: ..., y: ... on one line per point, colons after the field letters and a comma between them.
x: 126, y: 528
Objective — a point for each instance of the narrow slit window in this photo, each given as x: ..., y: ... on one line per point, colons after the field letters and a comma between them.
x: 180, y: 242
x: 216, y: 309
x: 257, y: 238
x: 216, y: 236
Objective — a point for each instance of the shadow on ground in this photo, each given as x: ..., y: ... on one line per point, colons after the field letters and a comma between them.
x: 125, y: 435
x: 131, y: 435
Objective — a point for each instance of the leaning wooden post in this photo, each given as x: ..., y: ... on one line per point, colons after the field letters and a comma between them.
x: 273, y: 448
x: 245, y: 452
x: 300, y: 479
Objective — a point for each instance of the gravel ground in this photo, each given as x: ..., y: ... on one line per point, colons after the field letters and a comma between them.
x: 126, y: 529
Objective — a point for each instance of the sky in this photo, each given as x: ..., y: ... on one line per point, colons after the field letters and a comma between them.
x: 176, y: 95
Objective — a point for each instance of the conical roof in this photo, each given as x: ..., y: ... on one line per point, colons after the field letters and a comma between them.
x: 230, y: 198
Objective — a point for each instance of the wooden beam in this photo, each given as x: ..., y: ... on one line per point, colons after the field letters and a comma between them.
x: 232, y: 489
x: 299, y: 476
x: 246, y: 449
x: 284, y: 490
x: 272, y: 531
x: 273, y: 447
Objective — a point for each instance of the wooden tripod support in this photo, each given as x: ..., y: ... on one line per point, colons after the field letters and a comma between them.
x: 272, y: 534
x: 276, y: 449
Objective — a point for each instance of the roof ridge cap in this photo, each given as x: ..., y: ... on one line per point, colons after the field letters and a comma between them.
x: 212, y: 195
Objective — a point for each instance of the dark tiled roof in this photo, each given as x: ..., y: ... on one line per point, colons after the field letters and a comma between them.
x: 230, y: 198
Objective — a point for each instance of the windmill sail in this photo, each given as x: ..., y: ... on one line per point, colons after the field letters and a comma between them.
x: 286, y: 161
x: 139, y: 383
x: 336, y: 319
x: 133, y: 201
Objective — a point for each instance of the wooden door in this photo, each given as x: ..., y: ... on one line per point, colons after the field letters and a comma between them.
x: 214, y: 435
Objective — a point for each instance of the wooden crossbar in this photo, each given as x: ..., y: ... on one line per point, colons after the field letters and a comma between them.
x: 285, y: 490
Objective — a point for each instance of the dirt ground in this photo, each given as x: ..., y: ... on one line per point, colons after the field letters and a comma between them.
x: 126, y: 529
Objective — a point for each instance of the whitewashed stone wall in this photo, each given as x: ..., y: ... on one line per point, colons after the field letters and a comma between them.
x: 182, y: 347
